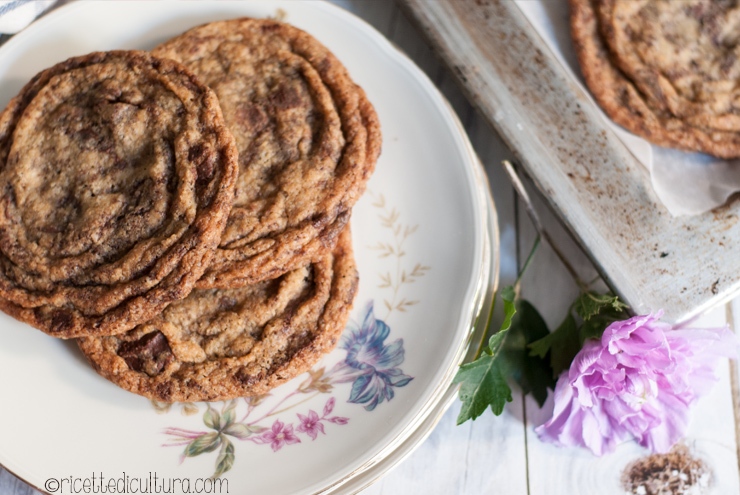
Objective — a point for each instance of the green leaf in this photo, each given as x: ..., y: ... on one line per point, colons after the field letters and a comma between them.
x: 598, y: 312
x: 595, y: 326
x: 225, y: 459
x: 483, y: 382
x: 562, y: 344
x: 508, y: 296
x: 256, y: 428
x: 590, y: 304
x: 212, y: 418
x: 497, y: 339
x: 241, y: 431
x: 533, y: 373
x: 204, y: 443
x: 228, y: 415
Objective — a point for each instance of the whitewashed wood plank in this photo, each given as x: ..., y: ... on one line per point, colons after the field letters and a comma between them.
x: 568, y: 471
x: 385, y: 16
x: 405, y: 36
x: 555, y: 471
x: 464, y: 460
x: 733, y: 315
x: 547, y: 283
x: 583, y: 169
x: 378, y: 13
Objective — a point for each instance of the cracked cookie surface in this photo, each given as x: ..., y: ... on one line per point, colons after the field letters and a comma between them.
x: 308, y: 140
x: 117, y: 177
x: 219, y: 344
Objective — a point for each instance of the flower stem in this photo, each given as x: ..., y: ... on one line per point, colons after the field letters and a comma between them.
x: 518, y: 282
x: 294, y: 405
x: 489, y: 317
x: 271, y: 411
x: 541, y: 234
x: 183, y: 432
x: 250, y: 408
x: 487, y: 331
x: 522, y: 192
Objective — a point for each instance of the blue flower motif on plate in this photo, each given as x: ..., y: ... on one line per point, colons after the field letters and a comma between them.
x: 371, y: 364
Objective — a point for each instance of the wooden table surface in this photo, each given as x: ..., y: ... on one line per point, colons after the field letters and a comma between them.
x: 502, y: 454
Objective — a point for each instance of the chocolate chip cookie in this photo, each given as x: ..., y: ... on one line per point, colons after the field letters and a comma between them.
x: 224, y: 343
x: 308, y: 140
x: 117, y: 175
x: 666, y: 70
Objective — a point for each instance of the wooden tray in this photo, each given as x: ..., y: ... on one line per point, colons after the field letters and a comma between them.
x: 683, y: 265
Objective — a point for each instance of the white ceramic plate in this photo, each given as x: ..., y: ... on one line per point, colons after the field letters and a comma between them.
x: 422, y: 239
x: 406, y: 446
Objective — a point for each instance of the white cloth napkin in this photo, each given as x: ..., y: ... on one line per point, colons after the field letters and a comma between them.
x: 17, y: 14
x: 686, y: 183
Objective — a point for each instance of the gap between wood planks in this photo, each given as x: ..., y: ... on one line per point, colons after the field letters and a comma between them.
x: 517, y: 250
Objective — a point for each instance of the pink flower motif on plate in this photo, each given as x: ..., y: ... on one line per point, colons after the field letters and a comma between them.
x: 310, y: 425
x: 279, y: 435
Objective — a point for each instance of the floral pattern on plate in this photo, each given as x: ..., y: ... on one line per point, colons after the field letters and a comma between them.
x: 371, y: 365
x: 427, y: 171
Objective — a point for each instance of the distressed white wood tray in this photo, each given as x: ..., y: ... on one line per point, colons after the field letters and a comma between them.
x: 684, y: 265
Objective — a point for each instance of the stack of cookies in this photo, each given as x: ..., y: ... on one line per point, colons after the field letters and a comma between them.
x: 184, y: 213
x: 666, y: 70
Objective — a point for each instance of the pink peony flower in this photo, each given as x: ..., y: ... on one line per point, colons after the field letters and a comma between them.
x: 637, y: 382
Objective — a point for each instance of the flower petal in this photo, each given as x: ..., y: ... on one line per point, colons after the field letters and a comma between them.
x: 638, y: 381
x: 672, y: 427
